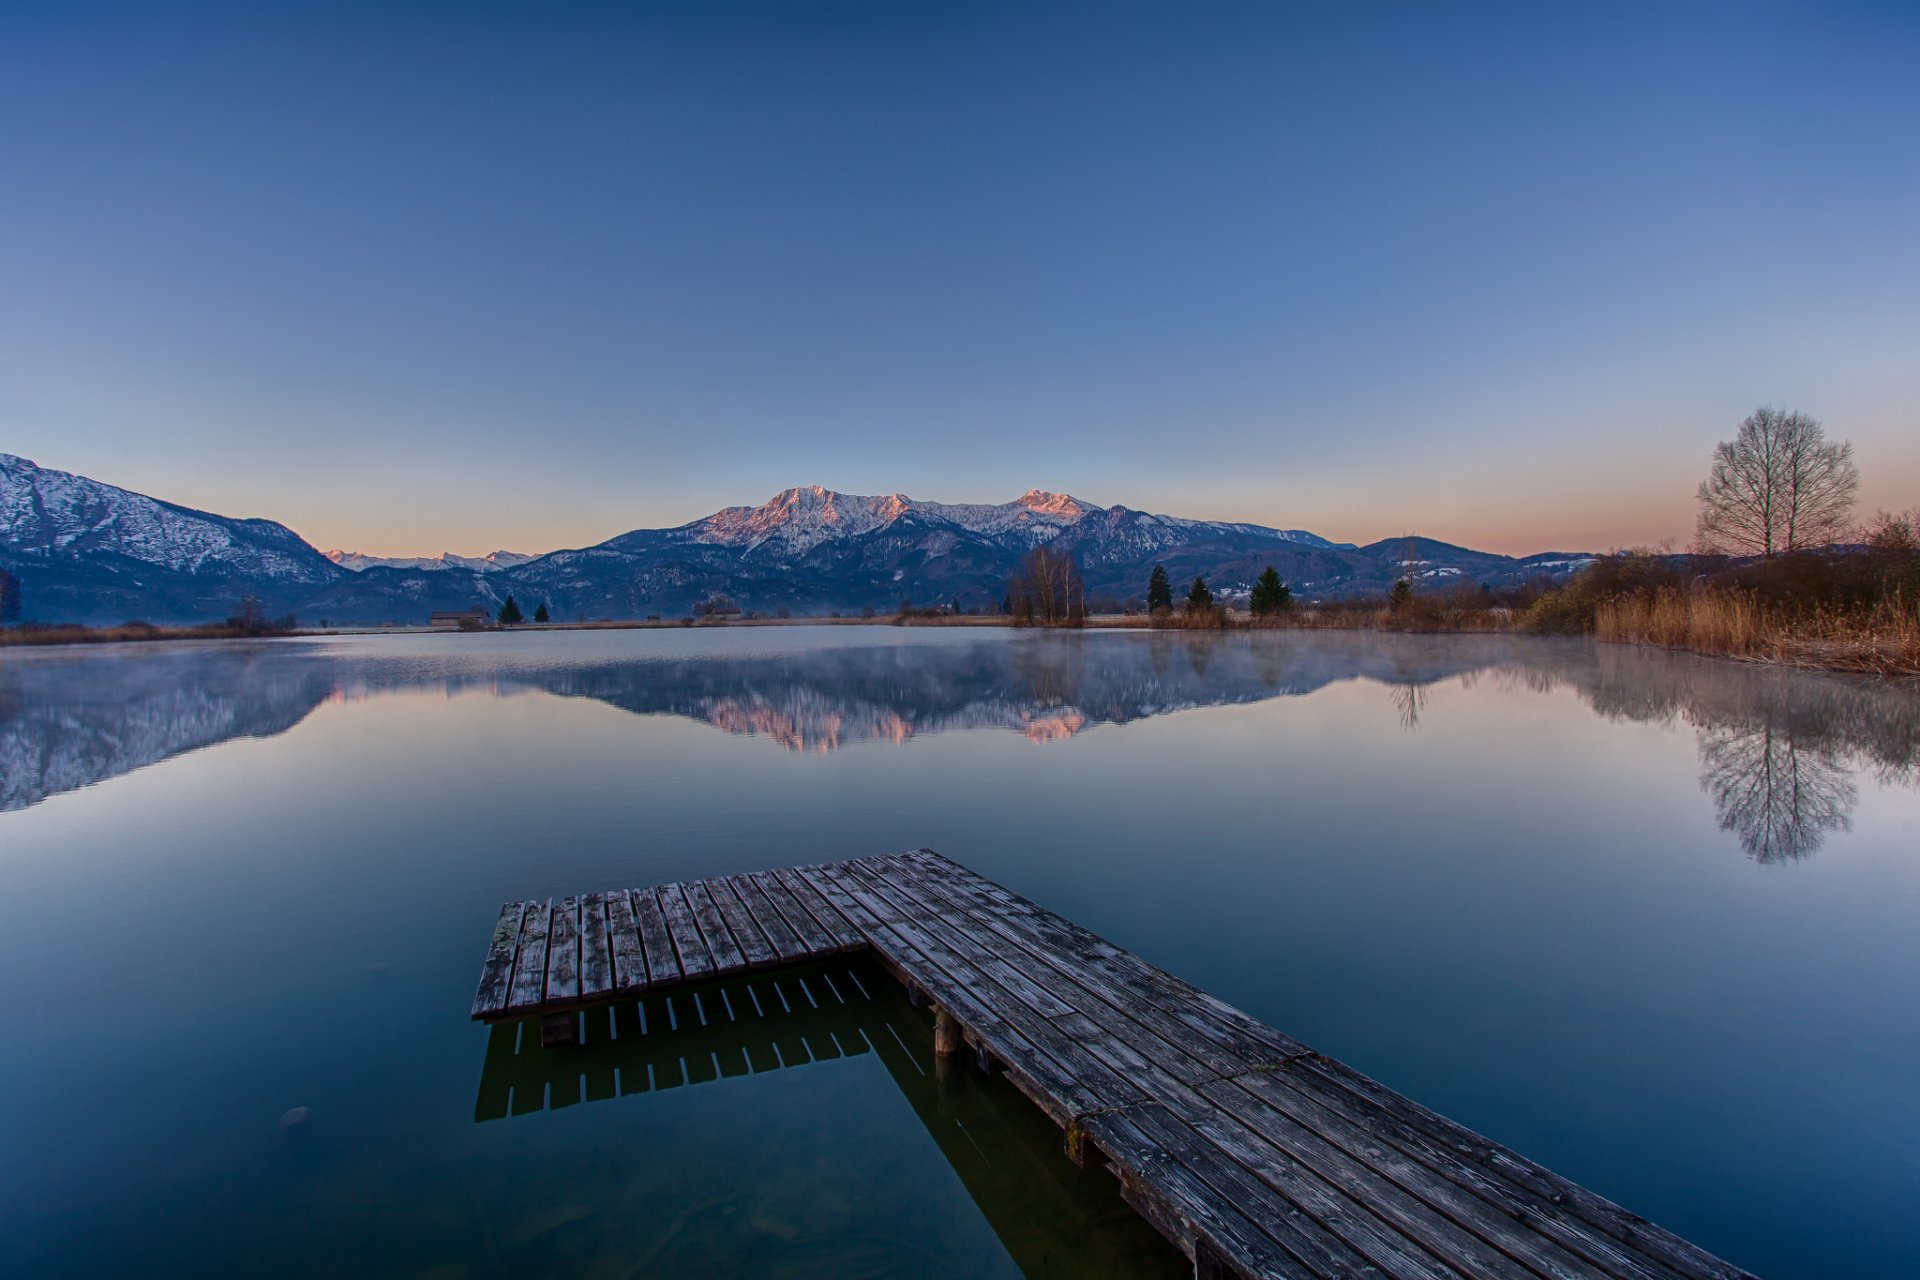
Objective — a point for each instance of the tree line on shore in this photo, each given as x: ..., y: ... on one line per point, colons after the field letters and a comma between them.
x: 1777, y: 569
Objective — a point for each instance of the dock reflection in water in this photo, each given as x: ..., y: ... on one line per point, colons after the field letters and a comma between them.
x: 1054, y: 1218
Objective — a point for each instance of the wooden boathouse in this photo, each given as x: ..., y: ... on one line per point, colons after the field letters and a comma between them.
x: 1255, y: 1155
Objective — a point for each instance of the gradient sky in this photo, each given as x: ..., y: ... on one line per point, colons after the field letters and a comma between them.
x: 464, y: 276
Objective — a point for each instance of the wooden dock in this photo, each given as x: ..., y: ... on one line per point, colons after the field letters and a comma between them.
x: 1251, y: 1152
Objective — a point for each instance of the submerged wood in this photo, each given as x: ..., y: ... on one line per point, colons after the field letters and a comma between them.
x: 1252, y: 1153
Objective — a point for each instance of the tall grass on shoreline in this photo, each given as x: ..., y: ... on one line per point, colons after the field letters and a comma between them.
x: 76, y: 633
x: 1883, y: 640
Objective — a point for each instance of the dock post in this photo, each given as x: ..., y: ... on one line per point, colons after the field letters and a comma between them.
x: 947, y: 1040
x: 1207, y: 1262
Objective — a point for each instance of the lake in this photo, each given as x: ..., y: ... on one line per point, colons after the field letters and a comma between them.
x: 1648, y: 918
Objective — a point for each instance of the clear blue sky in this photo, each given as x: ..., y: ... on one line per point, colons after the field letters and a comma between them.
x: 413, y: 278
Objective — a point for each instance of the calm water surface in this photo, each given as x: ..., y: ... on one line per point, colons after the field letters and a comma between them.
x: 1648, y: 918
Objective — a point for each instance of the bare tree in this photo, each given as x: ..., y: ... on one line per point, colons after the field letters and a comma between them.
x: 1777, y: 486
x: 1049, y: 588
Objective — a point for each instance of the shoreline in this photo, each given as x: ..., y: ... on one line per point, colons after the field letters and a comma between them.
x: 1862, y: 659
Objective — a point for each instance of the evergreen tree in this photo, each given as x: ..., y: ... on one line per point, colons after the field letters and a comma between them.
x: 1159, y: 590
x: 1270, y: 594
x: 1199, y: 598
x: 510, y: 614
x: 1401, y: 595
x: 540, y: 613
x: 9, y: 598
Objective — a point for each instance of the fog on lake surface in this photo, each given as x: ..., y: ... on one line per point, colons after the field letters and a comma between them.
x: 1646, y: 917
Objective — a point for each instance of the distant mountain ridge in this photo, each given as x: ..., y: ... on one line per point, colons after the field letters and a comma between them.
x: 92, y: 552
x: 88, y: 551
x: 356, y: 561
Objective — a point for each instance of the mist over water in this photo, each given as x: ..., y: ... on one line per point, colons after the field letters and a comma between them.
x: 1645, y: 917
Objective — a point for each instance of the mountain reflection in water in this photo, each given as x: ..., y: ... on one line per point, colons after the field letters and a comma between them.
x: 1779, y: 750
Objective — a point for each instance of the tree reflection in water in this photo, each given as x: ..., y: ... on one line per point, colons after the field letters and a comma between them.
x: 1780, y: 797
x: 1409, y: 700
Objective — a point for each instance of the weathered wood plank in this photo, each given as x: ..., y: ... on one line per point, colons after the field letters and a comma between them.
x: 563, y: 953
x: 1441, y: 1170
x: 813, y: 936
x: 1463, y: 1249
x: 1157, y: 1154
x: 727, y: 955
x: 753, y: 942
x: 960, y: 942
x: 1162, y: 1038
x: 496, y: 975
x: 845, y: 936
x: 786, y: 943
x: 1394, y: 1182
x: 1175, y: 1046
x: 1415, y: 1127
x: 1213, y: 1020
x: 1034, y: 1048
x: 629, y: 953
x: 696, y: 960
x: 530, y: 965
x: 663, y: 966
x: 596, y: 949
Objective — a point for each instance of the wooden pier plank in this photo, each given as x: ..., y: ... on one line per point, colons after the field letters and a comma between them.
x: 563, y: 954
x: 530, y: 965
x: 812, y: 934
x: 845, y: 936
x: 696, y: 960
x: 629, y: 953
x: 753, y: 941
x: 1161, y: 1035
x: 496, y: 975
x: 1140, y: 1055
x: 1039, y: 1075
x: 1461, y: 1224
x: 1458, y: 1212
x: 596, y: 949
x: 1212, y: 1019
x: 663, y: 966
x: 785, y: 942
x: 727, y: 955
x: 1033, y: 1048
x: 1254, y: 1154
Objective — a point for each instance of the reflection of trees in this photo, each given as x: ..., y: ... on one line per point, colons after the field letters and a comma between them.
x: 1778, y: 748
x: 1050, y: 672
x: 1409, y: 700
x: 1200, y: 650
x: 1159, y: 645
x: 1780, y: 797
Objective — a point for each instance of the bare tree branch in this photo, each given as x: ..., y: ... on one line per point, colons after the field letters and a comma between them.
x: 1777, y: 486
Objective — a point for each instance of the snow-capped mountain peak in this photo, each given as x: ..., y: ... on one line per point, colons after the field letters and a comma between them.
x: 795, y: 521
x: 1054, y: 504
x: 50, y: 516
x: 492, y: 561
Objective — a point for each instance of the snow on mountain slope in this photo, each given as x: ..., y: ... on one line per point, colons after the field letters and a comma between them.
x: 356, y: 561
x: 48, y: 516
x: 798, y: 520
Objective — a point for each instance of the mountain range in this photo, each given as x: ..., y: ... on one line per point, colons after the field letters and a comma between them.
x: 86, y: 551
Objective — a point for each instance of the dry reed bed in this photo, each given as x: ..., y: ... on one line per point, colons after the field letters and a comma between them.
x: 1882, y: 641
